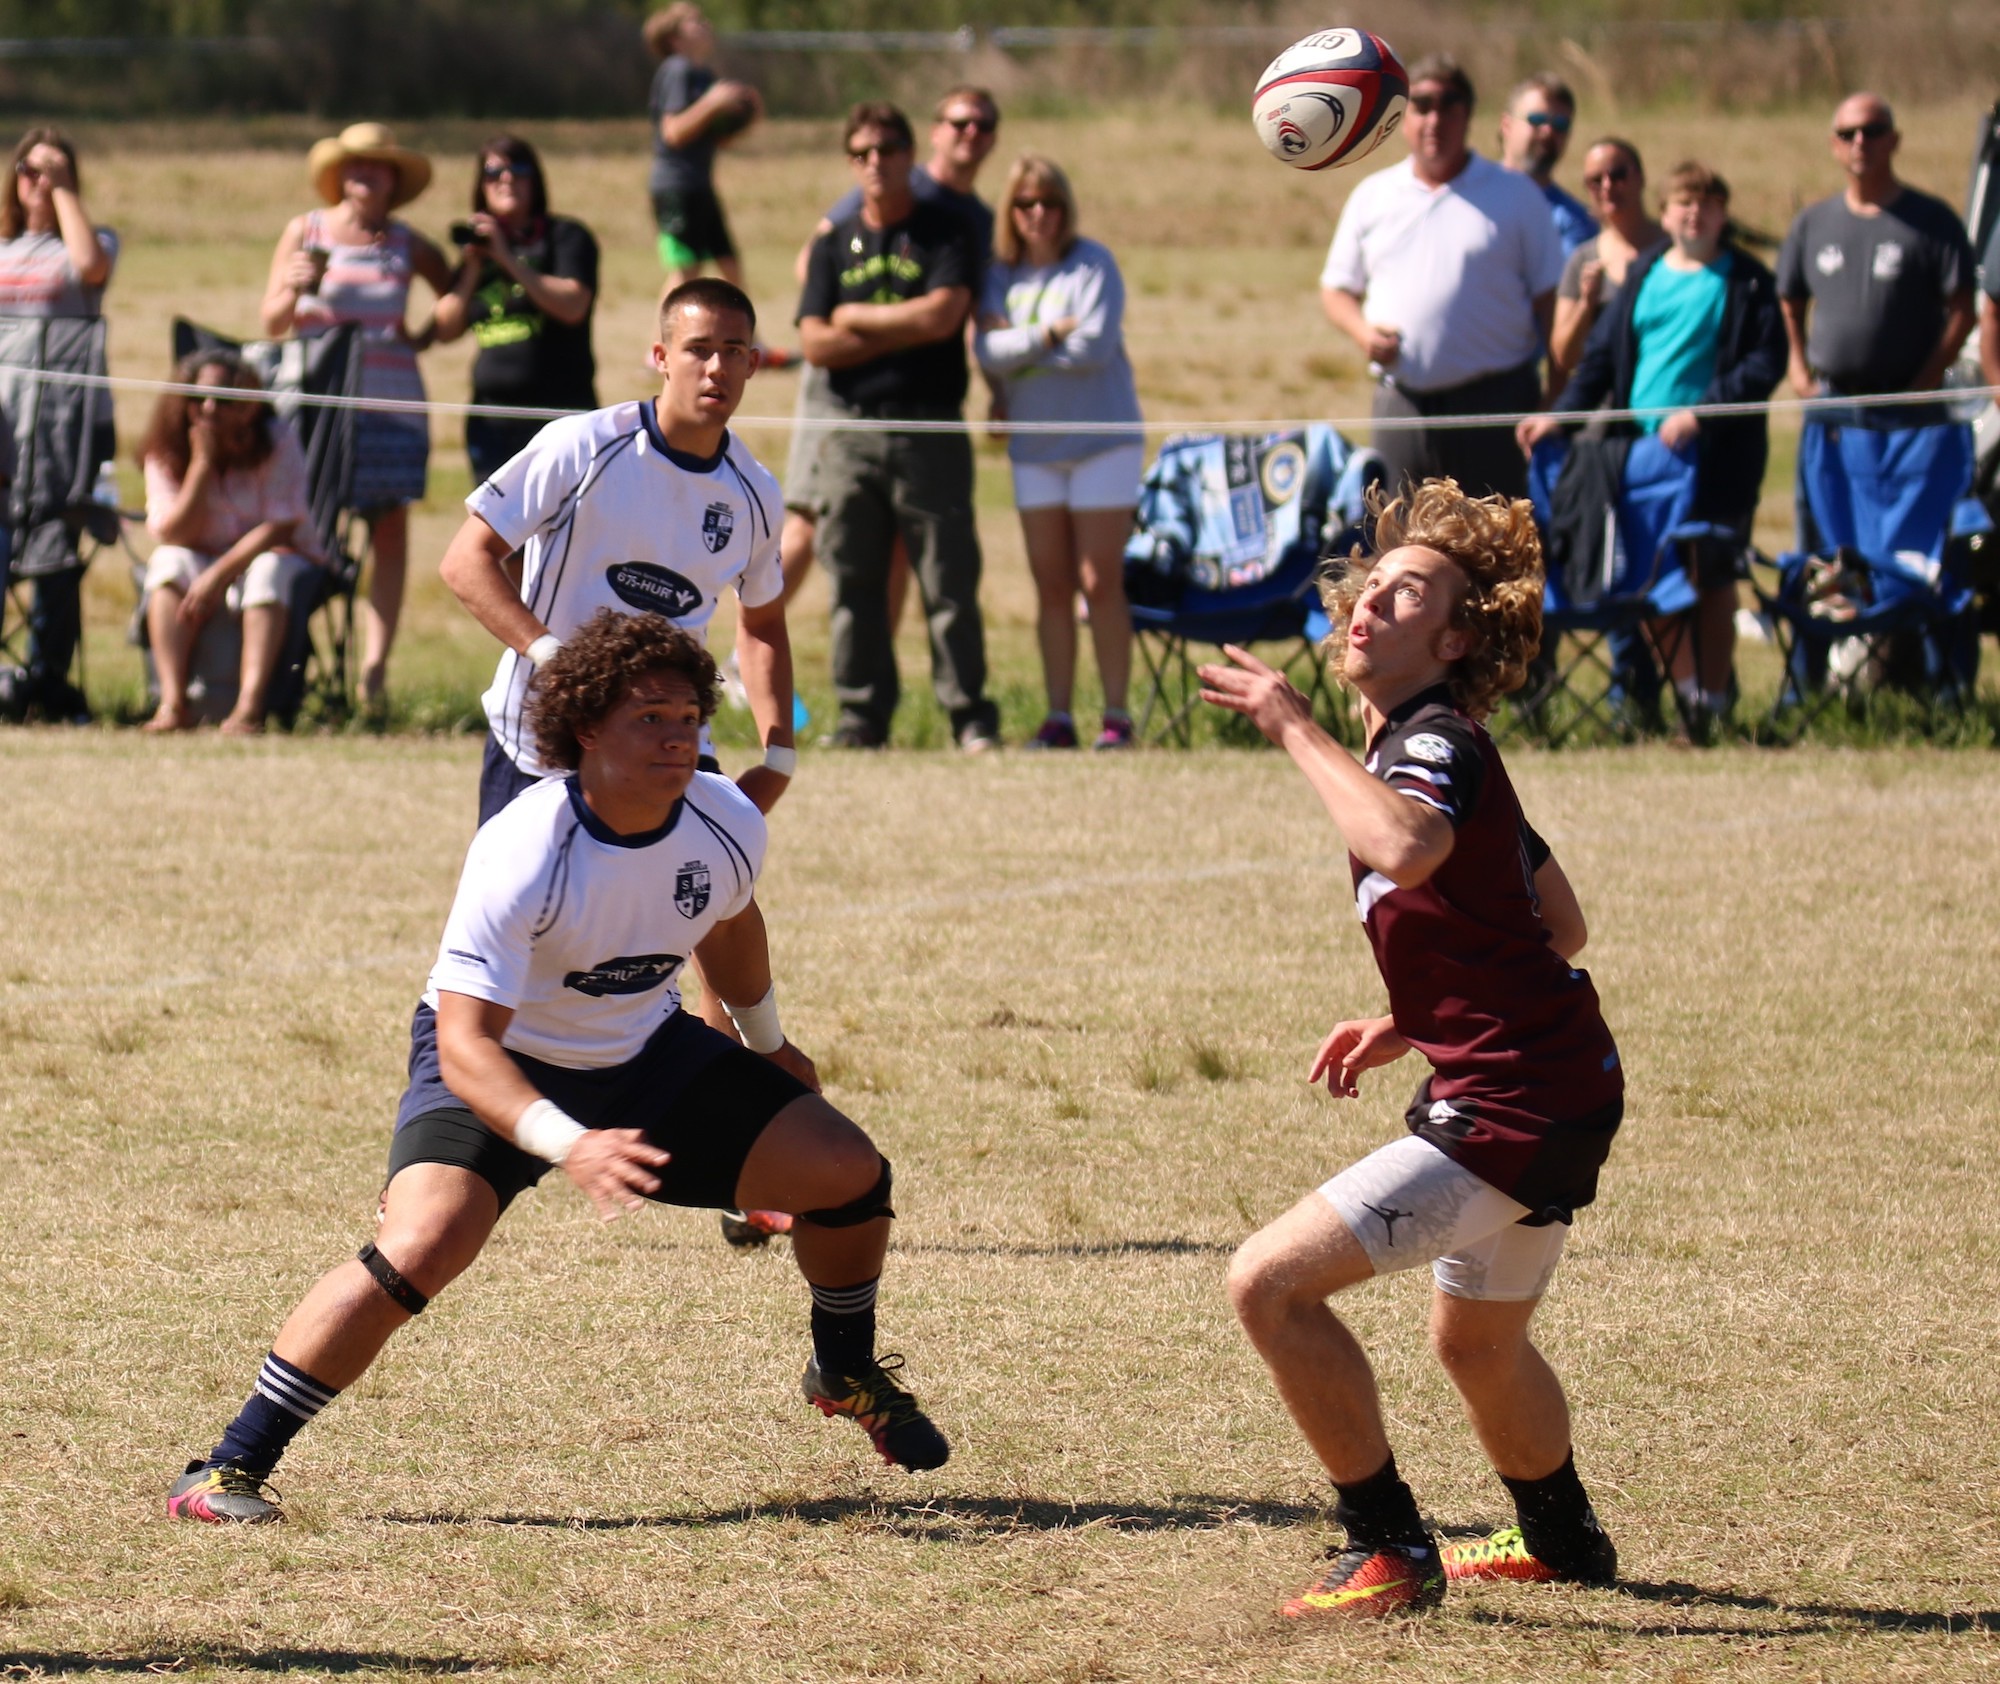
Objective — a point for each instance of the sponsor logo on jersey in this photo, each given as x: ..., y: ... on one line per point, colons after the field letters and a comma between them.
x: 1434, y: 751
x: 691, y: 889
x: 468, y: 958
x: 653, y: 589
x: 634, y: 975
x: 717, y: 525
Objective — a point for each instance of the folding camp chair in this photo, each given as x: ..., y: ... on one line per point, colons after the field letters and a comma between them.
x: 61, y: 434
x: 314, y: 662
x: 1611, y: 611
x: 1226, y: 548
x: 1869, y: 597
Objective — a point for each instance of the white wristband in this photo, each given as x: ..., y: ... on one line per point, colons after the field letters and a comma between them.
x: 758, y: 1024
x: 783, y: 761
x: 546, y: 1130
x: 543, y: 649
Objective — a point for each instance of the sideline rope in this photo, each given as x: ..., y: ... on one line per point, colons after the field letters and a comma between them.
x: 1952, y: 396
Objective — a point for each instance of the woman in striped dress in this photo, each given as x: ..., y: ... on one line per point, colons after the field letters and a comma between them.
x: 353, y: 262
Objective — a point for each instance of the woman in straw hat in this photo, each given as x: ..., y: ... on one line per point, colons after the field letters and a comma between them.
x: 352, y: 262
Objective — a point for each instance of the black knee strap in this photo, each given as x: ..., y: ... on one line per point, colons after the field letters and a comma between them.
x: 871, y: 1204
x: 390, y: 1279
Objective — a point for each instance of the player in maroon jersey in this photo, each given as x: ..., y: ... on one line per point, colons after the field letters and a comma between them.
x: 1475, y: 929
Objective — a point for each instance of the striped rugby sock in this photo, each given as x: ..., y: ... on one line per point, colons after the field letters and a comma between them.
x: 843, y: 1325
x: 284, y: 1400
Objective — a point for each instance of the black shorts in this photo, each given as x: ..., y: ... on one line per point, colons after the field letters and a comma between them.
x: 693, y: 218
x: 694, y: 1093
x: 500, y: 780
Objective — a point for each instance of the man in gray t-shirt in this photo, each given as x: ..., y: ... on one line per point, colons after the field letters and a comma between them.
x: 692, y: 112
x: 1876, y: 282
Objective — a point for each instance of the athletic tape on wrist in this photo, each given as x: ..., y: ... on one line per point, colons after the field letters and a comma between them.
x: 547, y: 1130
x: 543, y: 649
x: 783, y: 761
x: 758, y: 1024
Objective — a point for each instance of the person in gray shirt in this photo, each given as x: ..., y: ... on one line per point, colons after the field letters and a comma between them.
x: 693, y: 111
x: 1875, y: 282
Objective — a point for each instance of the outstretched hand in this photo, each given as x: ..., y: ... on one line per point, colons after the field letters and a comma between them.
x: 1263, y: 695
x: 614, y: 1168
x: 1354, y: 1046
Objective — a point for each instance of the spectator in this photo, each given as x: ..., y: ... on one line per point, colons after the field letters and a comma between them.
x: 353, y: 262
x: 53, y: 262
x: 1534, y: 135
x: 1615, y: 179
x: 693, y: 112
x: 1051, y: 334
x: 965, y: 127
x: 884, y: 308
x: 1876, y: 282
x: 226, y: 498
x: 1697, y: 322
x: 526, y: 285
x: 1443, y: 270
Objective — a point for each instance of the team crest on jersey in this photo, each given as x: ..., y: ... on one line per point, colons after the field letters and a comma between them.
x: 717, y: 525
x: 634, y: 974
x: 1433, y: 751
x: 691, y: 889
x: 653, y: 589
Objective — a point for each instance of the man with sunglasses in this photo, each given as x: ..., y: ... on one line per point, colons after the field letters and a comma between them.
x: 886, y: 296
x: 1534, y: 135
x: 1875, y: 282
x: 1443, y: 270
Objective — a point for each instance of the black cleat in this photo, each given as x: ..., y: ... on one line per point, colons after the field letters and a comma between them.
x: 902, y: 1432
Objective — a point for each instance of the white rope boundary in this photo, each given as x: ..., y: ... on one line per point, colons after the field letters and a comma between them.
x: 1953, y: 396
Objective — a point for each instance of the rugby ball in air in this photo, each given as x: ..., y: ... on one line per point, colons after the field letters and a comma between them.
x: 1330, y: 99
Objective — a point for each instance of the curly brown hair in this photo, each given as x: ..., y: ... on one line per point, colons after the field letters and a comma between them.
x: 167, y: 438
x: 593, y: 672
x: 1493, y: 542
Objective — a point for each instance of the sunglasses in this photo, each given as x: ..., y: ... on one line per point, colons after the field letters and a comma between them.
x: 888, y: 149
x: 513, y: 166
x: 1864, y: 131
x: 1548, y: 120
x: 1038, y: 204
x: 1424, y: 104
x: 30, y: 172
x: 982, y: 125
x: 1617, y: 174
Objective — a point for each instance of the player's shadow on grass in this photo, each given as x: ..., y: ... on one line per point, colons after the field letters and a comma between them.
x: 992, y: 1516
x: 36, y: 1664
x: 1794, y: 1618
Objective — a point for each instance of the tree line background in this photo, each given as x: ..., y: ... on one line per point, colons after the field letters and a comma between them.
x: 582, y: 58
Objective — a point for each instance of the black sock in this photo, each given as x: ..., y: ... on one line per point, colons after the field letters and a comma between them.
x: 843, y: 1326
x: 1381, y: 1510
x: 1557, y: 1523
x: 286, y: 1398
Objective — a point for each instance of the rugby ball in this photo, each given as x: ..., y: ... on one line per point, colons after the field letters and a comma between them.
x: 1330, y: 99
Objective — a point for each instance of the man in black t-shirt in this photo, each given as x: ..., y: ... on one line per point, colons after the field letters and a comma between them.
x: 1474, y: 928
x: 886, y: 295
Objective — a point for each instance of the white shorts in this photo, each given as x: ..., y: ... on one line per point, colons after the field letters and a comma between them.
x: 1107, y: 480
x: 1409, y: 1204
x: 266, y: 581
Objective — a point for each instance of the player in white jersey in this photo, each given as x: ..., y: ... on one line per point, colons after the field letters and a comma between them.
x: 551, y: 1033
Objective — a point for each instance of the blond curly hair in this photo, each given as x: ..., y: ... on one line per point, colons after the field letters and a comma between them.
x: 1493, y: 543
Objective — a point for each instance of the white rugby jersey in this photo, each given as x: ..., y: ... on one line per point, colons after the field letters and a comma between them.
x: 583, y: 932
x: 608, y: 515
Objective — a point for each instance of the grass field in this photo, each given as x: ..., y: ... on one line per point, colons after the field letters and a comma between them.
x: 1221, y: 249
x: 1074, y: 1003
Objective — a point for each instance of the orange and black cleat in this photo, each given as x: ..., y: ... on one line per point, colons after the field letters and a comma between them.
x: 1373, y: 1582
x: 900, y: 1430
x: 1505, y: 1556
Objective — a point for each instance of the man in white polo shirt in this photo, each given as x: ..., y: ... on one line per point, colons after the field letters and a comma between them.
x: 1444, y: 270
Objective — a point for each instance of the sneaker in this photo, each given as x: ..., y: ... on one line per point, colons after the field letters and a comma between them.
x: 901, y: 1430
x: 1055, y: 733
x: 1369, y: 1582
x: 979, y: 738
x: 746, y: 1229
x: 223, y: 1495
x: 1505, y: 1556
x: 1117, y: 732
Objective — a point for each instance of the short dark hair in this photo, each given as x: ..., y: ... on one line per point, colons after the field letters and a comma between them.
x: 967, y: 90
x: 706, y: 292
x: 1549, y: 85
x: 878, y: 114
x: 595, y: 670
x: 516, y: 151
x: 1442, y: 67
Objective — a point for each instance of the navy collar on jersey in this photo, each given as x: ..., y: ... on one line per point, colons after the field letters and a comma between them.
x: 602, y: 832
x: 649, y: 418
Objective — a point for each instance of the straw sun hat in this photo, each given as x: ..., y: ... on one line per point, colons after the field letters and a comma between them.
x: 377, y: 143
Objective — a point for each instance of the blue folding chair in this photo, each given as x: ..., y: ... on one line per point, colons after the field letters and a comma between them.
x: 1871, y: 595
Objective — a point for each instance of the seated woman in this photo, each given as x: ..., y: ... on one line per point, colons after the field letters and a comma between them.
x: 226, y: 498
x: 1697, y: 322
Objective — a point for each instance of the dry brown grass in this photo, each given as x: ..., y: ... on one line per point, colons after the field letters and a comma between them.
x: 1074, y: 1002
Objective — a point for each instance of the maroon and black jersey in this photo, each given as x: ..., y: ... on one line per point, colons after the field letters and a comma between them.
x: 1526, y: 1089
